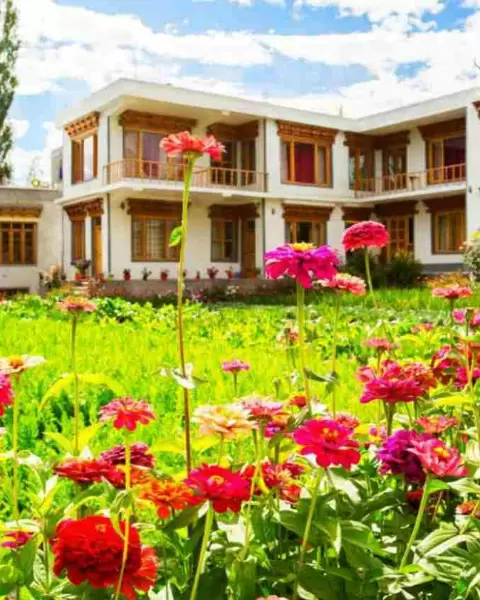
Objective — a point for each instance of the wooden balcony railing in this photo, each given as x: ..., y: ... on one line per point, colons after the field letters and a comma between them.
x: 207, y: 177
x: 410, y: 182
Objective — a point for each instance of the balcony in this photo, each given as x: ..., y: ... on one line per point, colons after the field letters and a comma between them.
x: 402, y: 183
x: 172, y: 173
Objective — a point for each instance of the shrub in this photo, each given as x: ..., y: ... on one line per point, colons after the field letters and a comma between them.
x: 404, y: 270
x: 471, y: 256
x: 355, y: 265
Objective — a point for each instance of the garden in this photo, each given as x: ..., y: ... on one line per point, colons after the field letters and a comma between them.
x: 325, y: 449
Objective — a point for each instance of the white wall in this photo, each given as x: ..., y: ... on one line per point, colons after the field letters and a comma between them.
x: 416, y: 154
x: 473, y: 171
x: 423, y: 240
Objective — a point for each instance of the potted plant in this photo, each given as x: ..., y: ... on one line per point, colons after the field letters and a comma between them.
x: 146, y: 274
x: 81, y: 267
x: 198, y: 276
x: 212, y: 272
x: 164, y: 274
x: 127, y: 275
x: 229, y: 272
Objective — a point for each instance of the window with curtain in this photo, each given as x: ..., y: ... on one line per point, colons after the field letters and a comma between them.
x: 224, y: 240
x: 151, y: 239
x: 309, y: 232
x: 85, y: 159
x: 78, y: 240
x: 446, y: 158
x: 305, y: 162
x: 18, y: 245
x: 144, y: 157
x: 248, y: 149
x: 361, y: 171
x: 448, y: 231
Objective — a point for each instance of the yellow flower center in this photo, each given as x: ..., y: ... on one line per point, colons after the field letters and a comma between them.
x: 330, y: 434
x: 101, y: 528
x: 16, y: 362
x: 216, y: 479
x: 302, y: 247
x: 442, y: 452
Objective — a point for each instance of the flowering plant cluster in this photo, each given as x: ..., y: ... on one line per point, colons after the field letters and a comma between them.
x: 276, y: 497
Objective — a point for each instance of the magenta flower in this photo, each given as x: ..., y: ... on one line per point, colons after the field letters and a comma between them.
x: 397, y: 456
x: 235, y: 366
x: 438, y: 459
x: 452, y: 292
x: 303, y: 262
x: 6, y: 392
x: 127, y: 413
x: 460, y: 316
x: 15, y: 539
x: 379, y: 344
x: 139, y: 455
x: 366, y: 234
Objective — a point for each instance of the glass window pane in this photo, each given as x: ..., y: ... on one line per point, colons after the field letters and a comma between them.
x: 29, y: 245
x: 137, y: 239
x: 88, y: 158
x: 351, y: 167
x: 304, y: 232
x: 304, y: 157
x: 17, y: 246
x: 287, y: 174
x: 322, y: 165
x: 155, y: 239
x: 5, y: 243
x: 130, y: 144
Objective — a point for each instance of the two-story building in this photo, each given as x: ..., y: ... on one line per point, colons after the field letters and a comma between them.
x: 287, y: 175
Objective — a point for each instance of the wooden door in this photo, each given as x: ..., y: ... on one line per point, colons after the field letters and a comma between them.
x: 400, y: 230
x: 96, y: 246
x: 248, y: 248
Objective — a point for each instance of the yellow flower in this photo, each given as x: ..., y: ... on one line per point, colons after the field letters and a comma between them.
x: 228, y: 420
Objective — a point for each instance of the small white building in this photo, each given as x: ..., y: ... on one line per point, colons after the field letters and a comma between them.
x: 287, y: 175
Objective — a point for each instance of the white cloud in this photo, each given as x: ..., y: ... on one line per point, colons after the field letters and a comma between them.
x: 38, y: 160
x: 251, y: 2
x: 377, y: 10
x: 19, y: 127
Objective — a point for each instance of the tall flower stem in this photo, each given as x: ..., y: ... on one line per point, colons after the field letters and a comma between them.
x: 301, y: 340
x: 308, y: 527
x: 368, y: 273
x: 418, y: 522
x: 256, y: 475
x: 76, y: 394
x: 334, y: 354
x: 180, y: 288
x: 16, y: 463
x: 126, y: 538
x: 203, y: 551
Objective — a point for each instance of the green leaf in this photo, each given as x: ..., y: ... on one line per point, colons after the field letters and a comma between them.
x: 176, y: 236
x: 321, y: 585
x: 61, y: 441
x: 436, y: 485
x: 173, y: 447
x: 245, y: 577
x: 185, y: 518
x: 465, y: 486
x: 88, y: 433
x: 58, y: 387
x: 455, y: 400
x: 108, y: 382
x: 322, y: 378
x: 361, y: 535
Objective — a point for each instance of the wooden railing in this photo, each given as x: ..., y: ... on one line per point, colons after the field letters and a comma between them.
x: 410, y: 182
x: 207, y: 177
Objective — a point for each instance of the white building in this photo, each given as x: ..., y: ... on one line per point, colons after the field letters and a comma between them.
x: 287, y: 175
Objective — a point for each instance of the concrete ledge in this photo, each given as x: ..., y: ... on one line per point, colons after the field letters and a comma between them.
x: 438, y: 269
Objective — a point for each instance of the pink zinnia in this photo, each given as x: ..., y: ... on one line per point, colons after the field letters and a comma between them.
x: 6, y: 392
x: 436, y: 425
x: 15, y: 539
x: 379, y: 344
x: 461, y: 315
x: 186, y: 144
x: 347, y: 420
x: 235, y: 366
x: 127, y: 413
x: 264, y: 410
x: 423, y: 327
x: 438, y: 459
x: 452, y: 292
x: 76, y: 304
x: 366, y: 234
x: 225, y: 489
x: 303, y: 262
x: 329, y: 441
x: 346, y: 283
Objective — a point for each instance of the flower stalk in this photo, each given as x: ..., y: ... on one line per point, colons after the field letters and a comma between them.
x: 203, y: 551
x: 418, y: 522
x: 126, y: 541
x: 334, y: 353
x: 301, y: 340
x: 76, y: 394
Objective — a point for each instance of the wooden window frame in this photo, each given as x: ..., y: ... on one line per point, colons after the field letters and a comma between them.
x: 291, y: 225
x: 143, y: 219
x: 355, y: 153
x: 436, y: 229
x: 429, y: 143
x: 291, y: 159
x: 222, y: 222
x: 175, y: 172
x: 78, y: 239
x: 78, y: 158
x: 15, y: 226
x: 387, y: 250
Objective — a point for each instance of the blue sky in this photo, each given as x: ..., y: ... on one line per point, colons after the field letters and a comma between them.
x: 357, y: 56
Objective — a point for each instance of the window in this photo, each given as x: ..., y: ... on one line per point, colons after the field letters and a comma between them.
x: 395, y: 168
x: 224, y: 171
x: 248, y: 150
x: 401, y: 232
x: 85, y: 159
x: 306, y: 162
x: 144, y: 157
x: 360, y: 169
x: 309, y: 232
x: 224, y: 240
x: 151, y: 239
x: 446, y: 159
x: 448, y: 231
x: 78, y: 240
x: 18, y: 244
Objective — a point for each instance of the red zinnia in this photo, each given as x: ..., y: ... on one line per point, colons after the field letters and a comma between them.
x: 346, y: 283
x: 167, y: 495
x: 127, y: 413
x: 280, y: 477
x: 90, y: 550
x: 187, y: 144
x: 347, y: 420
x: 379, y: 344
x: 366, y: 234
x: 6, y: 392
x: 264, y: 410
x: 329, y: 441
x: 435, y: 425
x: 83, y: 470
x: 139, y: 455
x: 299, y: 401
x: 438, y: 459
x: 452, y: 292
x: 423, y: 327
x: 225, y: 489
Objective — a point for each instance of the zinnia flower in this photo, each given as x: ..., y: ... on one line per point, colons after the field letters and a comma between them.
x: 83, y: 470
x: 376, y: 436
x: 127, y: 413
x: 228, y: 420
x: 397, y: 456
x: 346, y: 283
x: 225, y: 489
x: 467, y: 508
x: 188, y: 145
x: 379, y: 344
x: 366, y: 234
x: 263, y: 409
x: 18, y: 364
x: 235, y: 366
x: 303, y: 262
x: 139, y: 455
x: 6, y: 392
x: 90, y: 550
x: 15, y: 539
x: 460, y: 317
x: 346, y: 420
x: 452, y: 292
x: 423, y: 327
x: 438, y: 459
x: 76, y: 304
x: 300, y: 401
x: 167, y: 495
x: 329, y: 441
x: 436, y: 425
x: 279, y: 477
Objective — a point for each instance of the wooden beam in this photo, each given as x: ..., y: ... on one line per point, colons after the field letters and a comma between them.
x: 83, y: 126
x: 13, y: 211
x: 154, y: 208
x: 286, y: 129
x: 233, y: 211
x: 476, y: 104
x: 234, y: 133
x: 299, y: 212
x: 444, y: 129
x: 449, y: 203
x: 133, y: 119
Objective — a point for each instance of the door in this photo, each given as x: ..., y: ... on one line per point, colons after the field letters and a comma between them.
x: 96, y: 246
x: 436, y: 162
x: 400, y: 230
x: 248, y: 248
x: 395, y: 169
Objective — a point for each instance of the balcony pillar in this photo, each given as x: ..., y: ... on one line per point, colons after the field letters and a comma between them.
x: 422, y: 233
x: 473, y: 171
x: 335, y: 229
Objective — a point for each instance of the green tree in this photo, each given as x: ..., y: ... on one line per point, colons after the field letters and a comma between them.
x: 9, y: 47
